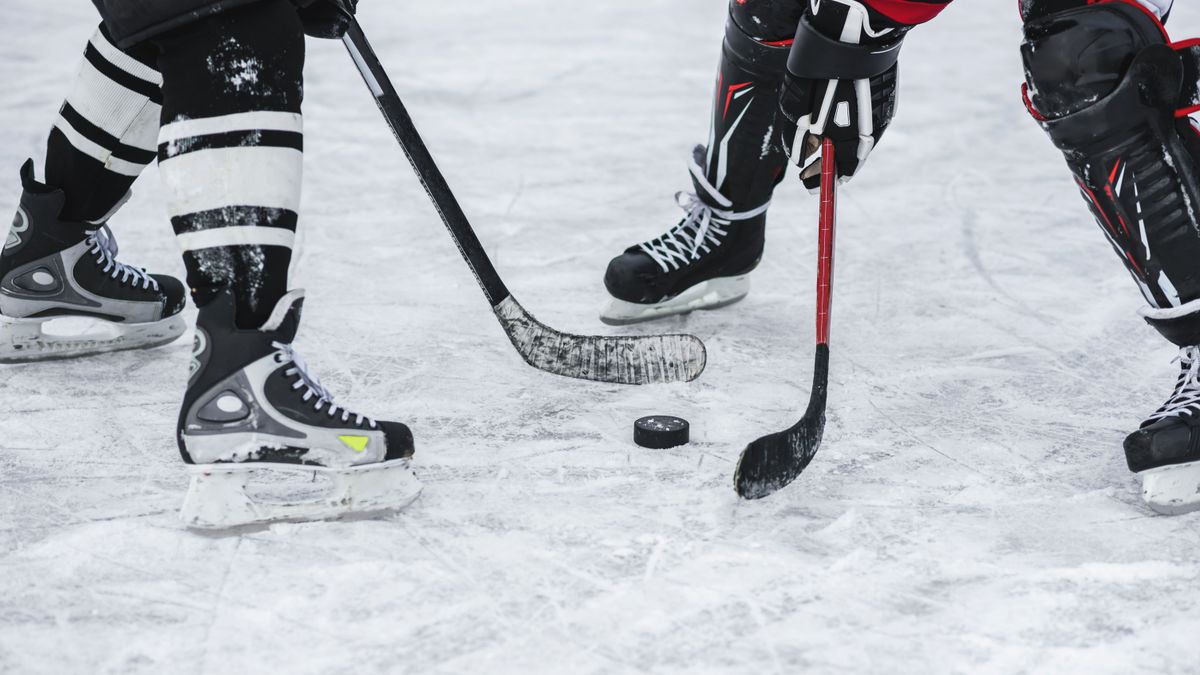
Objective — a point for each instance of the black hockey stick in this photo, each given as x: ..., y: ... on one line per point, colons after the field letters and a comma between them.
x: 618, y: 359
x: 773, y: 461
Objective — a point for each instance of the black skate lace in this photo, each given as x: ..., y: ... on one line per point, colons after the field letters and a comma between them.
x: 312, y: 386
x: 104, y: 245
x: 1186, y: 399
x: 701, y: 230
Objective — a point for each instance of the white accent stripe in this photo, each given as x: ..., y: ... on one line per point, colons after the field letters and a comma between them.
x: 112, y: 107
x: 723, y: 159
x: 247, y: 121
x: 1168, y: 289
x: 363, y: 68
x: 1171, y: 313
x: 125, y: 62
x: 242, y: 235
x: 220, y: 177
x: 97, y: 151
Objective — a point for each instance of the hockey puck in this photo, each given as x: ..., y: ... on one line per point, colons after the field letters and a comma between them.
x: 661, y: 432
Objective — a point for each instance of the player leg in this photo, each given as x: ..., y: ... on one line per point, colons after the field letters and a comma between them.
x: 59, y: 259
x: 1114, y: 95
x: 230, y: 155
x: 703, y: 261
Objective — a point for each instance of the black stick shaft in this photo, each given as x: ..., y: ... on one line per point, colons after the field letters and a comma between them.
x: 431, y: 177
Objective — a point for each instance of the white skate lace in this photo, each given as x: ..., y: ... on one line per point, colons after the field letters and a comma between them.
x: 104, y: 245
x: 312, y: 386
x: 1186, y: 399
x: 701, y: 230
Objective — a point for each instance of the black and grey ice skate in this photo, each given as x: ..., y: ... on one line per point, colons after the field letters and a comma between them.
x: 701, y: 263
x: 51, y: 270
x: 251, y: 404
x: 1165, y: 451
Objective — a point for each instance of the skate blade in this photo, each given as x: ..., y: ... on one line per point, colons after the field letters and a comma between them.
x: 1172, y: 490
x: 25, y: 340
x: 219, y: 495
x: 711, y: 294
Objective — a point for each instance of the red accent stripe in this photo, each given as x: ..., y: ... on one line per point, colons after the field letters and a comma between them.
x: 825, y: 240
x: 1029, y: 104
x: 779, y: 43
x: 729, y: 96
x: 907, y: 11
x: 1099, y: 209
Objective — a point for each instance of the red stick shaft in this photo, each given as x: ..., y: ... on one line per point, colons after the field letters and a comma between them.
x: 825, y: 240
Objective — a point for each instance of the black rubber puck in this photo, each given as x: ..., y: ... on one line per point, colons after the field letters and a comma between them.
x: 661, y: 432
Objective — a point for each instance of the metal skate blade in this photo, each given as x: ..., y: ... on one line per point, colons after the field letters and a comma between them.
x: 1172, y: 490
x: 711, y: 294
x: 26, y: 340
x: 225, y: 496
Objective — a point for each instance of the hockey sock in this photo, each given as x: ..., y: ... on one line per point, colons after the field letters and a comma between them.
x: 745, y: 157
x: 230, y: 151
x: 105, y: 131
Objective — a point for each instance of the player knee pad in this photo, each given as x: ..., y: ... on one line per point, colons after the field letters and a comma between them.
x: 1109, y: 89
x: 758, y: 35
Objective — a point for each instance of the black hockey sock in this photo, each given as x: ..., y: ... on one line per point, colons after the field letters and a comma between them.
x: 745, y: 157
x: 106, y: 129
x: 230, y: 151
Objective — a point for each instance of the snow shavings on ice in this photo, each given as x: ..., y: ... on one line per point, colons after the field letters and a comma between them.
x: 970, y: 510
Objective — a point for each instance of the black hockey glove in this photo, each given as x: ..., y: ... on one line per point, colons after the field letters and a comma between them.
x: 840, y: 84
x: 328, y: 19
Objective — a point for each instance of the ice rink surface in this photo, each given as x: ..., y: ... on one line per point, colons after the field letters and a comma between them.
x: 970, y: 510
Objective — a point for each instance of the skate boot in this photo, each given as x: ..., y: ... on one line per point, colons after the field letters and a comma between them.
x: 701, y: 263
x: 1165, y: 451
x: 59, y: 272
x: 252, y: 407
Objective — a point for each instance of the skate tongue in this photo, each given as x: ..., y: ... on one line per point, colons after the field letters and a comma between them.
x: 285, y: 318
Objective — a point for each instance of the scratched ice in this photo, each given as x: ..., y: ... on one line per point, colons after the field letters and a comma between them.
x: 970, y: 510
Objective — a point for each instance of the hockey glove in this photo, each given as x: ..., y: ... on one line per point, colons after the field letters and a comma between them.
x: 840, y: 84
x: 329, y: 19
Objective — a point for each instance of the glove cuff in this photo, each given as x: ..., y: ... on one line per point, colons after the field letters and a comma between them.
x: 817, y: 57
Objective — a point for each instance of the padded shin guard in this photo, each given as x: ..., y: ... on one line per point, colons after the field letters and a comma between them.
x: 1106, y: 86
x: 745, y: 157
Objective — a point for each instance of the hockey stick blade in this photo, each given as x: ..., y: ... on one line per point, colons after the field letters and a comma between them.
x: 773, y: 461
x: 648, y: 359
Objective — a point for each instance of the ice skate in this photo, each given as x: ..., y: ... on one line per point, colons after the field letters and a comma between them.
x: 63, y: 293
x: 703, y: 262
x: 252, y: 410
x: 1165, y: 451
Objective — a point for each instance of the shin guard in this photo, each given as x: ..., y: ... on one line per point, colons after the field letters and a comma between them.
x: 1113, y: 94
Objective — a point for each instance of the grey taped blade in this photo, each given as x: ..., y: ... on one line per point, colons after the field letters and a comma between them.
x: 649, y: 359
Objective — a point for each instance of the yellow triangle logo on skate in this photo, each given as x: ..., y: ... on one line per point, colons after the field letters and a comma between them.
x: 355, y: 443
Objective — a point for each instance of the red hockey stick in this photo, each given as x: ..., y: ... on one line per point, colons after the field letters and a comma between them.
x: 773, y: 461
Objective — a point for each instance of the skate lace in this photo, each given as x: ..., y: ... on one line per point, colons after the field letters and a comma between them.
x: 312, y: 386
x: 104, y: 245
x: 1186, y: 399
x: 700, y: 231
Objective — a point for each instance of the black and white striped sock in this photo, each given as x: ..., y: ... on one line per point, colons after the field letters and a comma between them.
x: 230, y: 152
x: 106, y: 130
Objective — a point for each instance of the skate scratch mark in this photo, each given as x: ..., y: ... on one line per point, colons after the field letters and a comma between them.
x: 756, y: 613
x: 512, y: 203
x: 923, y: 443
x: 970, y: 246
x: 487, y: 594
x: 217, y: 604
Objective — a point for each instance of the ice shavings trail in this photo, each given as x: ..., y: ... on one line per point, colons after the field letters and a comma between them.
x: 969, y: 512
